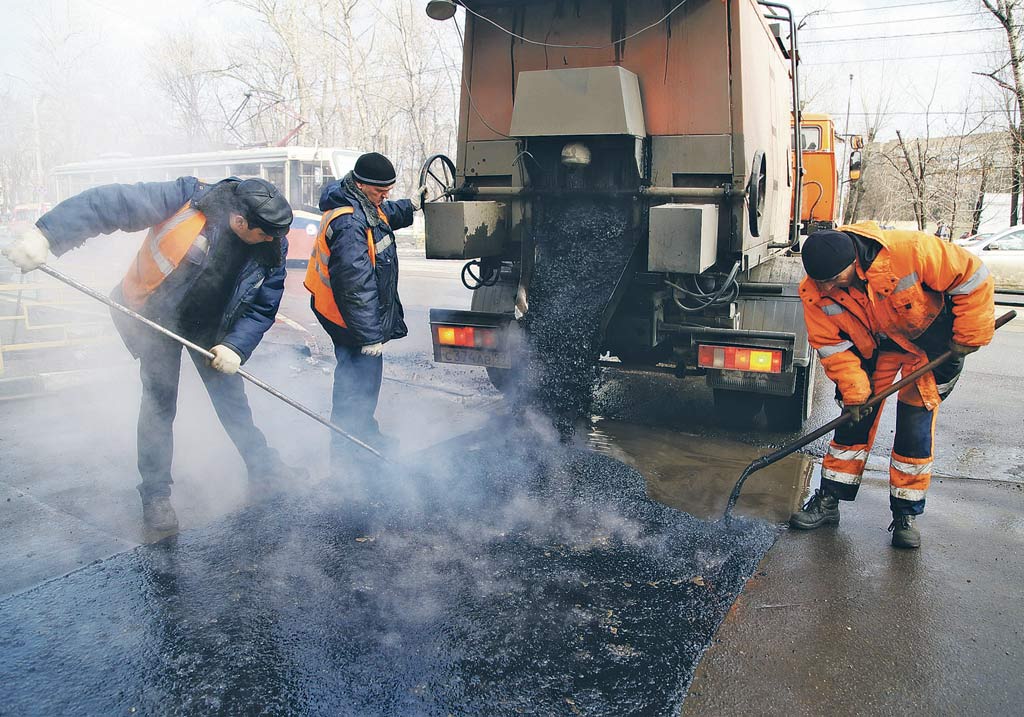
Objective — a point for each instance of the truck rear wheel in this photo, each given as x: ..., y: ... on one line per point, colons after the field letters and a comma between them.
x: 498, y: 299
x: 737, y: 409
x: 788, y: 413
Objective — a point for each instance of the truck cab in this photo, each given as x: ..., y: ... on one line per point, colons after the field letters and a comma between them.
x: 821, y: 148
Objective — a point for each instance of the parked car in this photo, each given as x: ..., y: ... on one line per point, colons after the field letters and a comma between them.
x: 1003, y: 254
x: 964, y: 241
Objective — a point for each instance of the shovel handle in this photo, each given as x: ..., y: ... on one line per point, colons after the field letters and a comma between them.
x: 844, y: 417
x: 61, y: 276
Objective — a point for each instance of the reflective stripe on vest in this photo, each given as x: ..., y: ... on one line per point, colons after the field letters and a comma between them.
x: 318, y: 277
x: 826, y: 351
x: 973, y: 283
x: 832, y: 309
x: 906, y: 282
x: 162, y: 252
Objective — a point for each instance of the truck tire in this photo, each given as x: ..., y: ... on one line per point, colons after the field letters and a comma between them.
x: 497, y: 299
x: 737, y: 409
x: 788, y: 413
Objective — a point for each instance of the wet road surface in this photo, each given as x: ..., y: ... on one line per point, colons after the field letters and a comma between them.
x: 67, y: 499
x: 523, y: 578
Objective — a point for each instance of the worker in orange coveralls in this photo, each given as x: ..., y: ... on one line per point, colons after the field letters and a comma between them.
x: 879, y: 303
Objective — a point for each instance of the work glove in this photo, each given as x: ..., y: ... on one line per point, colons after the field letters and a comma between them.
x: 372, y: 350
x: 29, y: 251
x: 225, y: 360
x: 419, y: 198
x: 962, y: 350
x: 859, y: 411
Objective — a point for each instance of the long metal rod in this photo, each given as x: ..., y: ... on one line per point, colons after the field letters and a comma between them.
x: 60, y: 276
x: 765, y: 461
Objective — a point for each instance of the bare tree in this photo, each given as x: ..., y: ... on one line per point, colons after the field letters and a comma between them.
x: 876, y: 115
x: 1008, y: 77
x: 187, y: 75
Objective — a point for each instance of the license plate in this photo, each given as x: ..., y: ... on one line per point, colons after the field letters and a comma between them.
x: 472, y: 357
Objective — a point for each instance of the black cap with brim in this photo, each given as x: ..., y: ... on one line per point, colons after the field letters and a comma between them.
x: 264, y: 206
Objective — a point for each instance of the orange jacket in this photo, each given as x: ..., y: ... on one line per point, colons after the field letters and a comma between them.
x: 906, y: 285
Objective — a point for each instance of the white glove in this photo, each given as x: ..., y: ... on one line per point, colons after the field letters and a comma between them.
x: 225, y: 360
x: 372, y: 350
x: 29, y: 251
x: 418, y: 198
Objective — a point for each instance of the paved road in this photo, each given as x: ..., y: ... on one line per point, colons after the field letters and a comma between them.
x: 67, y: 499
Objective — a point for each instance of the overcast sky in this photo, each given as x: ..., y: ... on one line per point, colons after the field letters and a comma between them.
x: 909, y: 49
x: 921, y: 52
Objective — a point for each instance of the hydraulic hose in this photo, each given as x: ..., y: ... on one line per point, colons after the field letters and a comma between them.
x: 488, y: 274
x: 726, y: 293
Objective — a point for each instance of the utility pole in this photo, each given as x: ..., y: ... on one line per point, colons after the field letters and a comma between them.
x: 844, y: 186
x: 40, y: 183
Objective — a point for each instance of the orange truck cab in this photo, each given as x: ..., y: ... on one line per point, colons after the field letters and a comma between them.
x: 821, y: 182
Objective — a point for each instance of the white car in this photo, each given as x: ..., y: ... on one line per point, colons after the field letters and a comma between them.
x: 1003, y: 254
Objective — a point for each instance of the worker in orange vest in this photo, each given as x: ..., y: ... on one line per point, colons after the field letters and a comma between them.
x: 878, y: 303
x: 212, y: 269
x: 353, y: 278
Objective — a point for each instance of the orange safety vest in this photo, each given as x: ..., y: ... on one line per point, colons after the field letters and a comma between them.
x: 906, y: 287
x: 318, y: 278
x: 162, y: 252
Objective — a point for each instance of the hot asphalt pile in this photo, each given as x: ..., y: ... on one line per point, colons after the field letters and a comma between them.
x: 582, y: 247
x: 521, y: 578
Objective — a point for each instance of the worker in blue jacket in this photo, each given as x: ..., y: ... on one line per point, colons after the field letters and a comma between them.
x: 212, y: 269
x: 353, y: 277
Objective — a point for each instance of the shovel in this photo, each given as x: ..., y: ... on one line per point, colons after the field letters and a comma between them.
x: 60, y: 276
x: 845, y: 417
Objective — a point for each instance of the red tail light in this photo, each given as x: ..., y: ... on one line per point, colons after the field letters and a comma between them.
x: 740, y: 359
x: 467, y: 337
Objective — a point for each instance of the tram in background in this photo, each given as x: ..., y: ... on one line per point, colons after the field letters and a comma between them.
x: 300, y: 172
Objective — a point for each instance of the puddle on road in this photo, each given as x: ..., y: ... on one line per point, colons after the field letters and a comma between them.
x: 696, y: 473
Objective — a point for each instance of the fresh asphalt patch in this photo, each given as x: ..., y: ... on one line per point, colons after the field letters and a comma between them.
x: 526, y: 577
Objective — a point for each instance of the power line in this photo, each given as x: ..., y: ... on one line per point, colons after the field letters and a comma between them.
x: 958, y: 113
x: 896, y: 37
x: 890, y: 22
x: 527, y: 40
x: 891, y: 7
x: 857, y: 61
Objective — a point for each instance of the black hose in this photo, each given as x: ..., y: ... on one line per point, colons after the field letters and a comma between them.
x: 726, y: 293
x: 488, y: 274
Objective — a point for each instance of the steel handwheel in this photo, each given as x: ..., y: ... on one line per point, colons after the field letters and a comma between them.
x: 438, y: 176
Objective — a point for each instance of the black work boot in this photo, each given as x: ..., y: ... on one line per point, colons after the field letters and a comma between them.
x: 821, y: 509
x: 904, y: 533
x: 158, y: 514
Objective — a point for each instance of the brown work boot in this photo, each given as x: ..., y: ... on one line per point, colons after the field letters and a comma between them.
x: 904, y: 533
x: 821, y: 509
x: 158, y: 514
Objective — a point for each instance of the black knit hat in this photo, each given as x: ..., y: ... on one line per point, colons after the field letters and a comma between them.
x: 376, y: 169
x: 826, y: 253
x: 264, y: 206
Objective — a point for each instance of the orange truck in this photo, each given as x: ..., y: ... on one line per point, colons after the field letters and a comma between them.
x: 682, y: 110
x: 822, y: 181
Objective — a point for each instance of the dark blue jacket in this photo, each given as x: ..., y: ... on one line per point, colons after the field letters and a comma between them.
x: 367, y: 295
x: 253, y: 306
